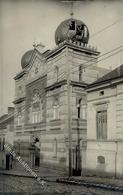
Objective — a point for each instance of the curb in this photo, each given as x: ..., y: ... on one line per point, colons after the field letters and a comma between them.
x: 45, y: 178
x: 89, y: 184
x: 16, y: 175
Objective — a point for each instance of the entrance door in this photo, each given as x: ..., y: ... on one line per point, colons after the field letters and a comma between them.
x: 7, y: 162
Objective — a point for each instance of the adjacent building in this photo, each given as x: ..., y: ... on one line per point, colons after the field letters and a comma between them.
x: 105, y: 124
x: 6, y: 136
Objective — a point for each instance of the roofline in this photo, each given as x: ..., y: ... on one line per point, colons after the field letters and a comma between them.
x: 19, y: 75
x: 19, y: 100
x: 63, y: 82
x: 79, y: 84
x: 56, y: 85
x: 75, y: 46
x: 35, y: 79
x: 104, y: 84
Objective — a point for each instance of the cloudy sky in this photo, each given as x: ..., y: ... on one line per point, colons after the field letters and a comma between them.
x: 24, y: 21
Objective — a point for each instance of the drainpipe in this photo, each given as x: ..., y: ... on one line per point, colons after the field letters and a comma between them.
x: 116, y: 143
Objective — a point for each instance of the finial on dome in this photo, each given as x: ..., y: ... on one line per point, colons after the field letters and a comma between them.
x: 39, y: 46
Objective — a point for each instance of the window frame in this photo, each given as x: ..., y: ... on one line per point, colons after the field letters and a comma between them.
x: 19, y: 119
x: 101, y: 124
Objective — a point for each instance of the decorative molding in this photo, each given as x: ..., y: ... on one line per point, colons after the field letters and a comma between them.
x: 19, y: 100
x: 21, y: 74
x: 56, y: 85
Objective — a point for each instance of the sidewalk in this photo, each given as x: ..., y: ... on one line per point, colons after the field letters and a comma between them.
x: 59, y: 176
x: 45, y: 173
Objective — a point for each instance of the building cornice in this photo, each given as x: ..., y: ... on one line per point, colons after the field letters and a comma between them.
x: 105, y: 140
x: 56, y: 85
x: 35, y: 79
x: 79, y: 84
x: 19, y: 100
x: 73, y: 46
x: 19, y: 75
x: 60, y: 83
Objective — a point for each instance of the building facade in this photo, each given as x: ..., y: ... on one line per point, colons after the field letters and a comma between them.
x: 6, y: 136
x: 50, y: 98
x: 105, y: 126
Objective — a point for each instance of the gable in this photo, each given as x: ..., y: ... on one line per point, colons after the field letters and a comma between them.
x: 37, y: 66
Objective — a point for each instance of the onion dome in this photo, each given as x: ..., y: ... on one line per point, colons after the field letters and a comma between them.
x: 72, y: 29
x: 26, y: 58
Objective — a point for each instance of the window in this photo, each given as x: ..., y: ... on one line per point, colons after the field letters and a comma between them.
x: 36, y: 113
x: 72, y: 25
x: 101, y: 93
x: 84, y: 111
x: 0, y: 144
x: 55, y: 148
x: 36, y: 107
x: 3, y: 143
x: 35, y: 117
x: 36, y: 70
x: 56, y: 108
x: 80, y: 30
x: 101, y: 159
x: 102, y: 124
x: 81, y: 108
x: 80, y: 73
x: 56, y: 73
x: 56, y: 111
x: 19, y: 119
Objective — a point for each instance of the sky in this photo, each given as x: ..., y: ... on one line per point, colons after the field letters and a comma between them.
x: 23, y: 22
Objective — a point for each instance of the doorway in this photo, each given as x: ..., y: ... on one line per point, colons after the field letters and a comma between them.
x: 76, y: 162
x: 8, y: 161
x: 37, y: 161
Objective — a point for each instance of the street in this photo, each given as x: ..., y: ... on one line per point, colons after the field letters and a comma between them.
x: 24, y: 185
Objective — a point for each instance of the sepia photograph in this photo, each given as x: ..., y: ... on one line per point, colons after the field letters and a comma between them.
x: 61, y: 97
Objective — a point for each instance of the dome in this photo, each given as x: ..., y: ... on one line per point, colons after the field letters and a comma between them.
x: 26, y: 58
x: 72, y: 29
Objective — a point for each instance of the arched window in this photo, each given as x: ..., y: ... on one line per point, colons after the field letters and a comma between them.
x: 84, y: 111
x: 81, y: 108
x: 55, y: 148
x: 56, y: 73
x: 3, y: 143
x: 0, y: 144
x: 19, y: 118
x: 19, y: 90
x: 36, y: 107
x: 80, y: 73
x: 56, y: 108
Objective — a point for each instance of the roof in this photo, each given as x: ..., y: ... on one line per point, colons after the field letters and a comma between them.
x: 114, y: 74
